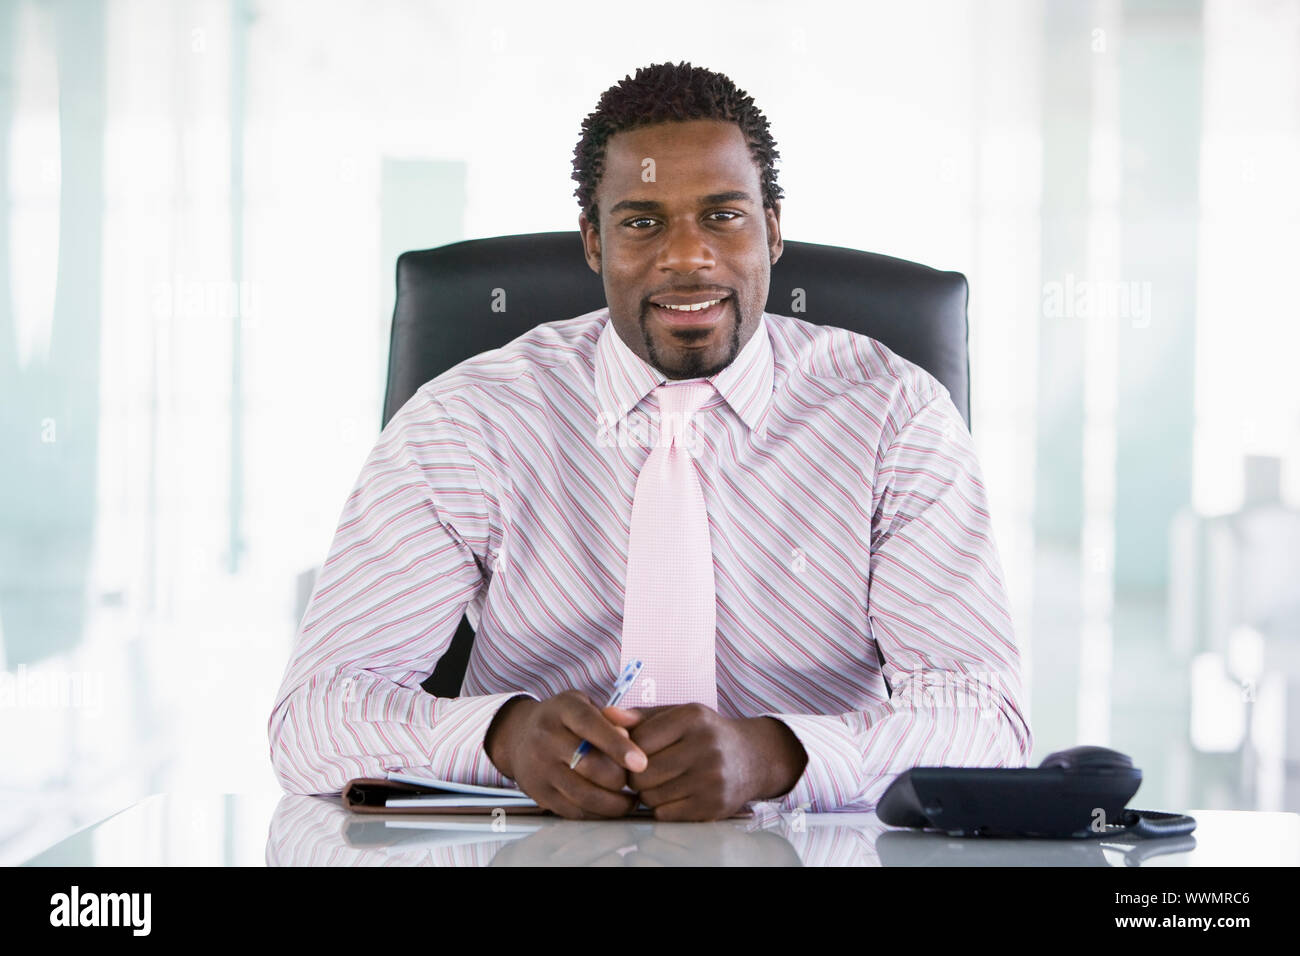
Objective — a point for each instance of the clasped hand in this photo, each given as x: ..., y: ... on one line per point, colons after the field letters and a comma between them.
x: 701, y: 765
x: 685, y: 761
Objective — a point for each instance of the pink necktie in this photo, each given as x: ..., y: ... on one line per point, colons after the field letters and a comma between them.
x: 670, y: 606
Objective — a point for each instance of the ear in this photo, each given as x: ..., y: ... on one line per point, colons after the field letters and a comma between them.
x: 590, y: 242
x: 774, y: 243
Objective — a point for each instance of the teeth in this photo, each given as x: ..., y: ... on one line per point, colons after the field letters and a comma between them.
x: 692, y: 308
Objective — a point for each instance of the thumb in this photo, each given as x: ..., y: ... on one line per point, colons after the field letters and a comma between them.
x: 620, y: 717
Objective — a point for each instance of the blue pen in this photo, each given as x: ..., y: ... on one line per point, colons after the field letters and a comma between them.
x: 621, y: 687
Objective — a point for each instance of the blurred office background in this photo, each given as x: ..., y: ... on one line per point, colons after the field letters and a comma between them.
x: 203, y: 201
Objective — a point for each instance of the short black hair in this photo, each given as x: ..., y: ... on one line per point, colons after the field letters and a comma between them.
x: 664, y: 93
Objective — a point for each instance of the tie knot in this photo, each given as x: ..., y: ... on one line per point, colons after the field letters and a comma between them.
x: 677, y: 403
x: 683, y: 398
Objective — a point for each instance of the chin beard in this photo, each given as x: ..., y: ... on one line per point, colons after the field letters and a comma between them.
x: 694, y: 363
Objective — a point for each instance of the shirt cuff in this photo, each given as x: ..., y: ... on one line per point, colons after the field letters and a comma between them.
x: 833, y: 777
x: 458, y: 727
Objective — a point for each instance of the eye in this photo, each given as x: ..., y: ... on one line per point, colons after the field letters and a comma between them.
x: 730, y: 215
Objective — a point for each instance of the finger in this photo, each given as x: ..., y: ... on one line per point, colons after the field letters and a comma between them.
x: 621, y: 717
x: 666, y: 727
x: 587, y: 723
x: 603, y: 772
x: 683, y: 787
x: 596, y: 765
x: 592, y: 799
x: 549, y: 798
x: 689, y: 809
x: 670, y: 764
x: 644, y: 712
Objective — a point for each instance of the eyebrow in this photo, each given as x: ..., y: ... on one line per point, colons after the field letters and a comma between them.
x: 651, y: 205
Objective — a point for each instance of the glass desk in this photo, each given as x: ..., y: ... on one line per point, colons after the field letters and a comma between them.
x: 179, y: 829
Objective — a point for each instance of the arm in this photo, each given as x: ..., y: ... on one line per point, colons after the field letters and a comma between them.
x: 400, y: 572
x: 937, y: 611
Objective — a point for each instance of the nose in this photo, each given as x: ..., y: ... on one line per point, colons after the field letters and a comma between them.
x: 686, y: 248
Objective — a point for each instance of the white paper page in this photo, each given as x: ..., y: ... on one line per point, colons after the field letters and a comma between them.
x: 456, y: 800
x: 454, y: 787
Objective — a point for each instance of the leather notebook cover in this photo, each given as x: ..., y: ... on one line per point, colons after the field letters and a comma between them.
x: 369, y: 794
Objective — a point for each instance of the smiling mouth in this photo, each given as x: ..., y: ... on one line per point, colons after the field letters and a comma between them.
x: 694, y: 316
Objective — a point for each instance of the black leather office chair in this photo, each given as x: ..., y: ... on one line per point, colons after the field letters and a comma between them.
x: 443, y: 316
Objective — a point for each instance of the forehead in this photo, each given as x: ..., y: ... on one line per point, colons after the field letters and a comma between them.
x: 694, y: 156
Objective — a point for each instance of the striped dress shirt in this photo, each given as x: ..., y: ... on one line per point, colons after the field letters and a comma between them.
x: 860, y: 597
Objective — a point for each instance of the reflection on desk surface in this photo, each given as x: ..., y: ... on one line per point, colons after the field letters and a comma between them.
x: 291, y: 830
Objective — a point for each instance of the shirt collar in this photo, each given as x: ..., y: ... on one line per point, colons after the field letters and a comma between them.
x: 623, y: 378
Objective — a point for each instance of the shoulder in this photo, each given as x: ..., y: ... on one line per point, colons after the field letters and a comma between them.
x: 842, y: 360
x: 547, y: 350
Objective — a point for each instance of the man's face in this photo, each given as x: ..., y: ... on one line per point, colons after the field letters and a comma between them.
x: 696, y: 233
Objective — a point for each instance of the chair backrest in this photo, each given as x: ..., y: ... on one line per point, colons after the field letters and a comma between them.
x: 444, y: 303
x: 444, y: 315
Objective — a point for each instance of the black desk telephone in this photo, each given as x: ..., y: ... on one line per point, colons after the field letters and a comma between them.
x: 1073, y: 794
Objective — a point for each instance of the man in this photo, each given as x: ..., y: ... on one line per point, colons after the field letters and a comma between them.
x: 785, y: 521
